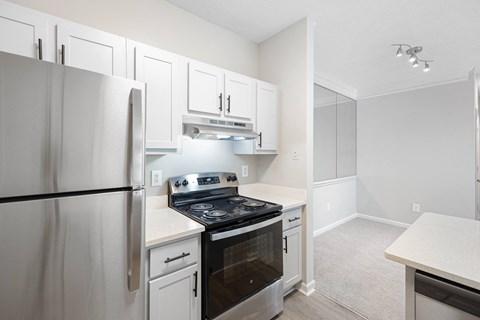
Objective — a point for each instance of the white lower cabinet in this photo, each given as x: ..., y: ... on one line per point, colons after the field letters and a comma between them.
x: 175, y: 296
x: 292, y: 248
x: 174, y: 287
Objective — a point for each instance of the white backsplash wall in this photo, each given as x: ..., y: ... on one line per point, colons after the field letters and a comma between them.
x: 199, y: 156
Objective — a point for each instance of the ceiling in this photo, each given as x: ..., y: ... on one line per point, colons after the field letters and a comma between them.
x: 353, y: 38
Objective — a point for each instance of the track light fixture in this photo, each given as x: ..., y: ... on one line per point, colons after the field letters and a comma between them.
x: 413, y: 52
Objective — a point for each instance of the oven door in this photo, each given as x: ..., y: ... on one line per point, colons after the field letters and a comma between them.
x: 239, y: 261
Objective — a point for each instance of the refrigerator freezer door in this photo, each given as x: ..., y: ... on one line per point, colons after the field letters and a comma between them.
x: 64, y: 129
x: 67, y: 258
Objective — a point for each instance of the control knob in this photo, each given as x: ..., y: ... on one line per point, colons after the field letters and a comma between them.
x: 177, y: 184
x: 184, y: 182
x: 231, y: 178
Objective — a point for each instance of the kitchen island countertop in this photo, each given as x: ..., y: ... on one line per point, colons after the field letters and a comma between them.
x: 442, y: 245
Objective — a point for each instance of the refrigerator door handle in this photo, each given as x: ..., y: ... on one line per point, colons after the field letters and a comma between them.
x: 134, y: 240
x: 138, y: 139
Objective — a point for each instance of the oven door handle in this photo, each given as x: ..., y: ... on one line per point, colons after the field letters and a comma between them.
x: 253, y: 227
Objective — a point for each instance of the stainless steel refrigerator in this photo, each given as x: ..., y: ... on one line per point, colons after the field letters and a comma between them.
x: 71, y: 193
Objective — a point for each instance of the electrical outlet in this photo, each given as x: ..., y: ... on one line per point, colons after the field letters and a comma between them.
x: 244, y: 171
x: 156, y: 178
x: 415, y: 207
x: 295, y: 154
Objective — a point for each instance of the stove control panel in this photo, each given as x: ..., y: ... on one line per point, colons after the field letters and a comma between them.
x: 202, y: 181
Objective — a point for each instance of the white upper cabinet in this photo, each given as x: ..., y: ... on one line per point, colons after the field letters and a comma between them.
x: 238, y: 96
x: 218, y: 92
x: 160, y: 71
x: 205, y: 88
x: 266, y: 122
x: 267, y: 117
x: 91, y: 49
x: 23, y: 32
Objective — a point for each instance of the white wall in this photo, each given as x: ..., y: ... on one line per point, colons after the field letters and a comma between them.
x: 333, y: 202
x: 287, y: 60
x: 417, y: 146
x: 160, y: 24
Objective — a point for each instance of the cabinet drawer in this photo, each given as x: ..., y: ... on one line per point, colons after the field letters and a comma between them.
x: 292, y: 218
x: 173, y: 257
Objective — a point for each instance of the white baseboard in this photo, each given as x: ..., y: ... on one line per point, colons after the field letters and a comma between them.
x: 333, y: 225
x: 381, y: 220
x: 307, y: 288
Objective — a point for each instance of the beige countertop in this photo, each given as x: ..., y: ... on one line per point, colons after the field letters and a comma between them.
x: 446, y: 246
x: 289, y: 198
x: 163, y: 224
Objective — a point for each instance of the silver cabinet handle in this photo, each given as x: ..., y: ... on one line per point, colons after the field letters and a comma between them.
x: 183, y: 255
x: 63, y: 54
x: 228, y: 105
x: 294, y: 219
x: 40, y: 49
x: 286, y: 244
x: 134, y: 240
x: 220, y: 97
x: 260, y: 143
x: 138, y: 139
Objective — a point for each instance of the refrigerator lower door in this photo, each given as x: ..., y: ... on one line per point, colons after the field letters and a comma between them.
x: 71, y: 258
x: 64, y: 129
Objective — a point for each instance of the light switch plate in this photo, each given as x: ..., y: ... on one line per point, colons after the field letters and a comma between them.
x: 157, y: 178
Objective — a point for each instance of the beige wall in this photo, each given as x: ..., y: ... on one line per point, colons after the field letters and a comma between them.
x: 287, y: 60
x: 417, y: 146
x: 283, y: 60
x: 160, y: 24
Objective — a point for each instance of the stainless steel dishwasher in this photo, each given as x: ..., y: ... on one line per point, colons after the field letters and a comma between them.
x: 441, y: 299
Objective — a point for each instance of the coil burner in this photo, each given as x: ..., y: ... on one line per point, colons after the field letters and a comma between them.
x: 253, y: 204
x: 236, y: 199
x: 201, y: 207
x: 215, y: 214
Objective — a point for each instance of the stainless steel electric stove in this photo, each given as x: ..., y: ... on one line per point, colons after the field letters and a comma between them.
x: 242, y: 261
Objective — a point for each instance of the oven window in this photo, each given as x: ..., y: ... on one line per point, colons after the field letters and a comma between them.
x: 241, y: 265
x: 243, y: 259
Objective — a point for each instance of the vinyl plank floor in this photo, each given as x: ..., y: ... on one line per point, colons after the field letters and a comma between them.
x: 315, y: 307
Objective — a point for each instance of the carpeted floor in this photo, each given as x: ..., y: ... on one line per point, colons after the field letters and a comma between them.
x: 350, y: 267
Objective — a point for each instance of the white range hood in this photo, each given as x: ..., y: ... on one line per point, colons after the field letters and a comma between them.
x: 197, y: 127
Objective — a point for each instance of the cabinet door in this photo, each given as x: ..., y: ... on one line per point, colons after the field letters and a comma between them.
x: 91, y: 49
x: 267, y: 117
x: 159, y: 70
x: 238, y: 96
x: 205, y: 88
x: 21, y: 30
x: 292, y: 257
x: 173, y: 297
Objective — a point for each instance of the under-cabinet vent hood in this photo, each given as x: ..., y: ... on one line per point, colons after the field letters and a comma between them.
x: 217, y: 129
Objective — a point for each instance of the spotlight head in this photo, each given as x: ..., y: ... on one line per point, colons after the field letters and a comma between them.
x: 427, y: 67
x: 399, y: 51
x: 412, y: 58
x: 415, y: 63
